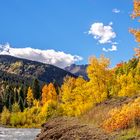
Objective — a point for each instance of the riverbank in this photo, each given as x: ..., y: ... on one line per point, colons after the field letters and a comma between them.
x: 71, y: 129
x: 89, y: 126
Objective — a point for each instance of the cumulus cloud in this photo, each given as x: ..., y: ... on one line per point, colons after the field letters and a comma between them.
x: 116, y: 11
x: 114, y: 48
x: 104, y: 34
x: 57, y: 58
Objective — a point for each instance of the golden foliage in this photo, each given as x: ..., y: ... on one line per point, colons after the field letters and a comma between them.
x: 137, y: 50
x: 123, y: 117
x: 136, y: 9
x: 78, y: 96
x: 74, y: 97
x: 5, y: 116
x: 15, y: 107
x: 100, y: 77
x: 128, y: 85
x: 30, y: 97
x: 136, y: 32
x: 48, y: 93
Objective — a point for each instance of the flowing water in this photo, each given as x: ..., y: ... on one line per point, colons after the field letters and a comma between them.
x: 18, y: 133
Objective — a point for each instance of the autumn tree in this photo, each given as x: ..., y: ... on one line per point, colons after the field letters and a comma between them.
x: 44, y: 93
x: 128, y: 85
x: 100, y: 78
x: 127, y: 76
x: 5, y: 116
x: 75, y: 98
x: 68, y: 97
x: 67, y: 88
x: 136, y: 32
x: 136, y: 9
x: 52, y: 91
x: 48, y: 93
x: 30, y: 97
x: 15, y: 108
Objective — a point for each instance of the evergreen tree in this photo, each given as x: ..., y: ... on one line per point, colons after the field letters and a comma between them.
x: 25, y: 90
x: 9, y: 97
x: 16, y: 96
x: 36, y: 89
x: 21, y: 98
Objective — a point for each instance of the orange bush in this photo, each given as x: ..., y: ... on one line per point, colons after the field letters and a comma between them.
x: 124, y: 117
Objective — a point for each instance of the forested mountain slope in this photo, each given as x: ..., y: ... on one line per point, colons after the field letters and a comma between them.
x: 31, y: 69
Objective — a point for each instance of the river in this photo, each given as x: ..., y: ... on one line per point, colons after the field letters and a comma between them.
x: 18, y: 133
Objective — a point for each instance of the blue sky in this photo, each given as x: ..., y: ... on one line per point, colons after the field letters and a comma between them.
x: 63, y: 25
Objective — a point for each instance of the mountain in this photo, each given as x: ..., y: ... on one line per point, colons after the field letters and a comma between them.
x: 25, y: 70
x: 78, y: 70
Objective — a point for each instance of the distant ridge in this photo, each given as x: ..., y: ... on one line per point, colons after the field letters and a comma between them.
x: 31, y: 69
x: 78, y: 70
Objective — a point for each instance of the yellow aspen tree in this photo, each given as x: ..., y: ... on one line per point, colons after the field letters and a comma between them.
x: 67, y: 96
x: 136, y: 9
x: 136, y: 32
x: 5, y: 116
x: 44, y: 94
x: 48, y: 93
x: 30, y: 97
x: 100, y: 76
x: 83, y: 100
x: 52, y: 92
x: 67, y: 88
x: 127, y: 84
x: 75, y: 100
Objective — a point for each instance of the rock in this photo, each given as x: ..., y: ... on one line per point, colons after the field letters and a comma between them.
x: 70, y: 129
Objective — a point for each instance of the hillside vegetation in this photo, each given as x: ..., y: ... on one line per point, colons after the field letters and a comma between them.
x: 31, y: 69
x: 109, y: 101
x: 78, y: 97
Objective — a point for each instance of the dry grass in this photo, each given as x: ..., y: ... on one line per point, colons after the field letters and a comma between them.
x: 98, y: 114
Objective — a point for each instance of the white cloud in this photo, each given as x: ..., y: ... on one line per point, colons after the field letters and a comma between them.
x: 111, y: 23
x: 115, y: 10
x: 115, y: 43
x: 57, y: 58
x: 114, y: 48
x: 104, y: 34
